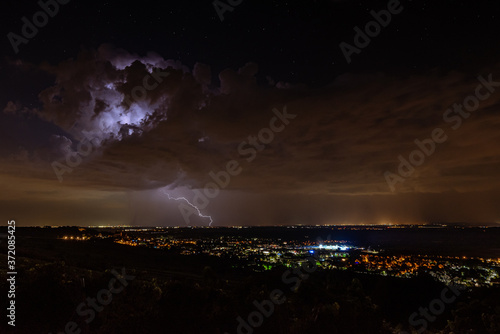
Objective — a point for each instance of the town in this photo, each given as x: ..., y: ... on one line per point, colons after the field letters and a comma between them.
x: 265, y: 253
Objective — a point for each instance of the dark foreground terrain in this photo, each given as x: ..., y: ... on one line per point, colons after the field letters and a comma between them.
x: 63, y: 287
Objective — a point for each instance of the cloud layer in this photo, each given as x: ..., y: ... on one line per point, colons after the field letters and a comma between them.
x: 343, y: 139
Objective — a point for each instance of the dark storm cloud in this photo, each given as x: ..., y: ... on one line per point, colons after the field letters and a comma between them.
x: 343, y: 139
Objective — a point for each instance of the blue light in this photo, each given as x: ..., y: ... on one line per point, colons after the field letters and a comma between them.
x: 311, y: 251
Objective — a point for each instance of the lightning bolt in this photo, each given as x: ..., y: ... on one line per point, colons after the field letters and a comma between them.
x: 191, y: 204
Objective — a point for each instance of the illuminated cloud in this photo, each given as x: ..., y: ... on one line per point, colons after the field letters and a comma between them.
x: 346, y: 135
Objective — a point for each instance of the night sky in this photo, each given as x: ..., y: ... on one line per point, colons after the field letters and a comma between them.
x: 122, y: 113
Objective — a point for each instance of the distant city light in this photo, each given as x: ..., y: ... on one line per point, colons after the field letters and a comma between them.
x: 334, y: 247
